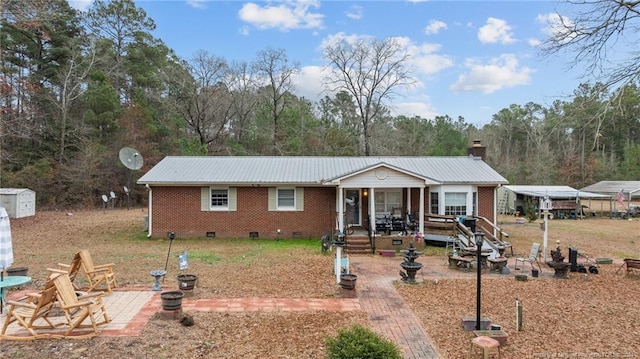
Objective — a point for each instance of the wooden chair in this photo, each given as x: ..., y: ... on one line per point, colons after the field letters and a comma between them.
x: 97, y: 274
x: 30, y: 313
x: 77, y: 310
x: 532, y: 258
x: 72, y: 268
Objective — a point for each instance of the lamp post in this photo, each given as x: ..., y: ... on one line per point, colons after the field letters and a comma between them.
x: 479, y: 238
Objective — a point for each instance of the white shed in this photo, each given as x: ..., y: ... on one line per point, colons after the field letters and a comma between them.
x: 19, y: 202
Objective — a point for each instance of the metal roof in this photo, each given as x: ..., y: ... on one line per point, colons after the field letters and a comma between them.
x: 552, y: 191
x: 193, y: 170
x: 611, y: 188
x: 11, y: 191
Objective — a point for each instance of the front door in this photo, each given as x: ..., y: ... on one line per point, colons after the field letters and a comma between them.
x: 352, y: 207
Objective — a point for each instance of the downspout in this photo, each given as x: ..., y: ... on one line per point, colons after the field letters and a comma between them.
x: 150, y: 206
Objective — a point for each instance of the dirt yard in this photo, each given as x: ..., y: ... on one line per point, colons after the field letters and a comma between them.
x: 589, y: 316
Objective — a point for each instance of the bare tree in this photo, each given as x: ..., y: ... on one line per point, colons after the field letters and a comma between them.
x: 243, y: 89
x: 207, y: 106
x: 370, y: 71
x: 275, y: 70
x: 603, y: 34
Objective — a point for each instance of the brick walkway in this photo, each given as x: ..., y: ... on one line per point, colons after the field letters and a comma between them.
x: 388, y: 313
x: 130, y: 310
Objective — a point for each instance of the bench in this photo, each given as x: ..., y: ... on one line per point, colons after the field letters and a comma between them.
x: 460, y: 262
x: 496, y: 265
x: 631, y: 264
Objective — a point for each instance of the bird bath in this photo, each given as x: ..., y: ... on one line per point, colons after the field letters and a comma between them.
x: 558, y: 264
x: 410, y: 266
x: 157, y: 274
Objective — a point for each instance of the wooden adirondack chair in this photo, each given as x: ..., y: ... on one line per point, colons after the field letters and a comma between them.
x: 97, y: 274
x: 31, y: 314
x: 72, y: 268
x: 77, y: 310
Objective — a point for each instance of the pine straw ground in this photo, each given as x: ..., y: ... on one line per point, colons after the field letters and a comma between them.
x: 580, y: 317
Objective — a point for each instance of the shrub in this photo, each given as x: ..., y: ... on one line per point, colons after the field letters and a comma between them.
x: 359, y: 342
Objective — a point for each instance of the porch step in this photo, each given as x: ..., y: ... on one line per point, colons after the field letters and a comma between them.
x: 358, y: 245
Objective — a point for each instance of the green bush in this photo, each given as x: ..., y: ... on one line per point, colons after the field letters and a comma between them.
x: 359, y: 342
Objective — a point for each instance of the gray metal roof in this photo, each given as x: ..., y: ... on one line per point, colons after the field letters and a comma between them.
x: 552, y: 191
x: 312, y: 170
x: 611, y: 188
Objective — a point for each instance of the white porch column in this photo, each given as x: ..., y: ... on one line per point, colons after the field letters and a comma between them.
x: 408, y: 201
x: 340, y: 209
x: 372, y: 210
x: 421, y: 227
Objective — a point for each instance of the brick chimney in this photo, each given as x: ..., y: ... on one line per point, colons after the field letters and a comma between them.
x: 478, y: 150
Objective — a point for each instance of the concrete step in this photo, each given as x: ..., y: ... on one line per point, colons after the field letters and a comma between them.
x: 358, y: 251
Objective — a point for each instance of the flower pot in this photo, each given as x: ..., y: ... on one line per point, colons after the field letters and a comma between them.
x: 17, y: 271
x: 187, y: 281
x: 171, y: 300
x: 348, y: 281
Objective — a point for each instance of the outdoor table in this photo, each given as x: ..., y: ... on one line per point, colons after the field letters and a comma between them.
x: 11, y: 281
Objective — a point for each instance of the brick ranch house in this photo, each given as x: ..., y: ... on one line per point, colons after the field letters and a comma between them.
x: 289, y: 197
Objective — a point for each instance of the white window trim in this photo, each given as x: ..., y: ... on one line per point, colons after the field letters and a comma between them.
x: 286, y: 208
x: 219, y: 208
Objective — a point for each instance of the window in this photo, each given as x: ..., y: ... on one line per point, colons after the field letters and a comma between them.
x: 219, y: 198
x: 286, y: 199
x: 386, y: 201
x: 433, y: 197
x: 455, y: 203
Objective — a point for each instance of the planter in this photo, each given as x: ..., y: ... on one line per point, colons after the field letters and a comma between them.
x: 521, y: 277
x: 348, y: 281
x: 171, y: 300
x: 469, y: 323
x: 187, y: 281
x: 17, y: 271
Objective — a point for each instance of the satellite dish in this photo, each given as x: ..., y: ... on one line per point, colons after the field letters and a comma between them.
x: 113, y: 195
x: 126, y: 190
x: 131, y: 158
x: 105, y: 198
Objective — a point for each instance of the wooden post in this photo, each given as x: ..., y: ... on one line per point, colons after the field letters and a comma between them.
x: 518, y: 315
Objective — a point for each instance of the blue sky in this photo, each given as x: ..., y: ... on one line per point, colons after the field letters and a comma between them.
x: 470, y: 58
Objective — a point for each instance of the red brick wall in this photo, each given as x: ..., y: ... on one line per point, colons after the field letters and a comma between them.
x: 177, y: 209
x: 485, y: 203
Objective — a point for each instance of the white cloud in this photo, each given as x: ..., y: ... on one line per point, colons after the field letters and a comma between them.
x: 496, y: 31
x: 245, y: 31
x: 501, y: 72
x: 555, y: 25
x: 534, y: 42
x: 341, y: 36
x: 410, y: 109
x: 286, y: 16
x: 355, y: 12
x: 198, y: 4
x: 308, y: 82
x: 425, y: 60
x: 434, y: 27
x: 81, y: 5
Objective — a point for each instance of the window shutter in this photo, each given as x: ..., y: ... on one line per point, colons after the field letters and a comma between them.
x: 205, y: 200
x: 273, y: 201
x: 299, y: 199
x: 233, y: 199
